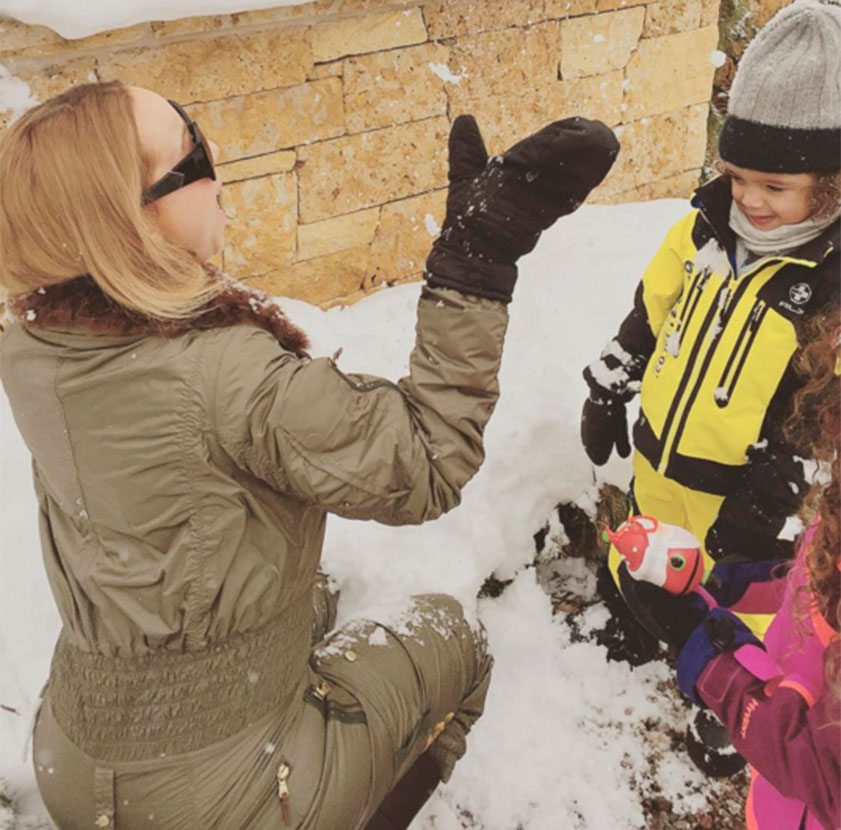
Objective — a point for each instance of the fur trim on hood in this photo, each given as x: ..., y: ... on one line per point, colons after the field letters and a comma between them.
x: 80, y: 305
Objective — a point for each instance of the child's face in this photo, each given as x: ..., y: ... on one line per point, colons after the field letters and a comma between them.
x: 771, y: 200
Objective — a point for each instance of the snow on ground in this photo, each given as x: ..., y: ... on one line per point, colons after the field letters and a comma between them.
x: 566, y: 738
x: 15, y: 95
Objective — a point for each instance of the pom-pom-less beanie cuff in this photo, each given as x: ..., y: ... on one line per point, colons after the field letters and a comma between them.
x: 774, y: 149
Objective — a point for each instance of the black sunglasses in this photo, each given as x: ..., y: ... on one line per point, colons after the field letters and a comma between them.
x: 197, y: 164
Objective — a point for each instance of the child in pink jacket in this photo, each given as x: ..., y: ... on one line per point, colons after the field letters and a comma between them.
x: 780, y: 711
x: 780, y: 699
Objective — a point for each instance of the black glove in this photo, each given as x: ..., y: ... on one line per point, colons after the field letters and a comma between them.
x: 497, y: 208
x: 750, y: 518
x: 604, y: 422
x: 667, y: 617
x: 776, y: 479
x: 686, y: 622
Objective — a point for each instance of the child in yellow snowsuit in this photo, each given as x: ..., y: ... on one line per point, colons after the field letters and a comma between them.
x: 726, y: 303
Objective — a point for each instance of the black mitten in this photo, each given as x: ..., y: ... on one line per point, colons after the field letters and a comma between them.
x: 604, y: 422
x: 751, y: 518
x: 668, y: 617
x: 744, y: 530
x: 775, y: 479
x: 497, y: 208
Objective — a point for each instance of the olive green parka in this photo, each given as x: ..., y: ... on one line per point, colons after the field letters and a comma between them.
x: 184, y: 473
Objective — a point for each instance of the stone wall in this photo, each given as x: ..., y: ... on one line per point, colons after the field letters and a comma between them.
x: 332, y: 117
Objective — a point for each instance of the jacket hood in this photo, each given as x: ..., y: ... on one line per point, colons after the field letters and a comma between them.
x: 80, y: 306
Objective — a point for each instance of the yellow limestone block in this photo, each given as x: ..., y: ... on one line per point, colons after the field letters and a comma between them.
x: 337, y: 233
x: 252, y: 168
x: 504, y: 61
x: 260, y: 236
x: 669, y: 18
x: 670, y: 72
x: 321, y: 280
x: 570, y: 8
x: 248, y: 125
x: 26, y: 40
x: 367, y: 33
x: 656, y: 148
x: 455, y: 18
x: 405, y: 234
x: 207, y: 69
x: 394, y: 87
x: 598, y: 43
x: 359, y: 171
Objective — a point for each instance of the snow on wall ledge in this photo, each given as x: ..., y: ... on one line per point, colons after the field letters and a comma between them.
x: 89, y: 17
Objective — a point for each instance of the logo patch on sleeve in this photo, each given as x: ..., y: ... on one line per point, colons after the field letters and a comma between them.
x: 800, y: 294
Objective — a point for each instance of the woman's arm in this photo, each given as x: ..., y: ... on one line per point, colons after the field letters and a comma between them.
x: 401, y: 453
x: 361, y: 446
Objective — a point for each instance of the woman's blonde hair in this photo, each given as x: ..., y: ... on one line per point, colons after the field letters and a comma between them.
x: 72, y: 172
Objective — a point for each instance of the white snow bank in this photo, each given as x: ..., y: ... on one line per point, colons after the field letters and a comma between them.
x: 87, y: 17
x: 15, y: 95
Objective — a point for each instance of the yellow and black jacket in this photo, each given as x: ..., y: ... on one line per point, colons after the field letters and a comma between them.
x: 712, y: 350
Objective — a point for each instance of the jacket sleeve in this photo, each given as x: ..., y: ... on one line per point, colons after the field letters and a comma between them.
x: 360, y: 446
x: 622, y: 363
x: 795, y: 746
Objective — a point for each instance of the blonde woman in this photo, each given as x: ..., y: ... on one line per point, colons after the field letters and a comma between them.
x: 186, y: 452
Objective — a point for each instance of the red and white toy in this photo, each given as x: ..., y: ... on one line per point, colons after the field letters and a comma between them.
x: 663, y: 554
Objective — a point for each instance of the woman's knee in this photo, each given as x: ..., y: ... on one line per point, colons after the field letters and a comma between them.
x: 437, y: 627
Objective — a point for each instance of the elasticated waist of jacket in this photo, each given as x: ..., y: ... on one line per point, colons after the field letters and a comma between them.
x: 135, y: 708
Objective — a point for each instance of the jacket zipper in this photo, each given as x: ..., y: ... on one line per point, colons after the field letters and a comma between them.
x: 726, y: 313
x: 693, y: 297
x: 738, y: 345
x: 283, y: 792
x: 749, y: 329
x: 684, y: 380
x: 698, y: 283
x: 721, y: 310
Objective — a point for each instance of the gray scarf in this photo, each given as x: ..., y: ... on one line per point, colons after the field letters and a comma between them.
x: 753, y: 244
x: 778, y: 240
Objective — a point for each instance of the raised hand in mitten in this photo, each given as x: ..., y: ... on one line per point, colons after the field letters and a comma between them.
x: 497, y: 207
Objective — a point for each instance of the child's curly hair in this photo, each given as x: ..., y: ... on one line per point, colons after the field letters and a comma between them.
x: 816, y: 422
x: 825, y: 196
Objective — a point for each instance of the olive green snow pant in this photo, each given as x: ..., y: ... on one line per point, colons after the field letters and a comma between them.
x: 376, y: 698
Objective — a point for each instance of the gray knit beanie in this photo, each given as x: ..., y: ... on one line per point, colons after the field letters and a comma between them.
x: 784, y: 114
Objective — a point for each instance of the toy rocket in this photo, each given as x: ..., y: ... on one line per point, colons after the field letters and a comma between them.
x: 663, y: 554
